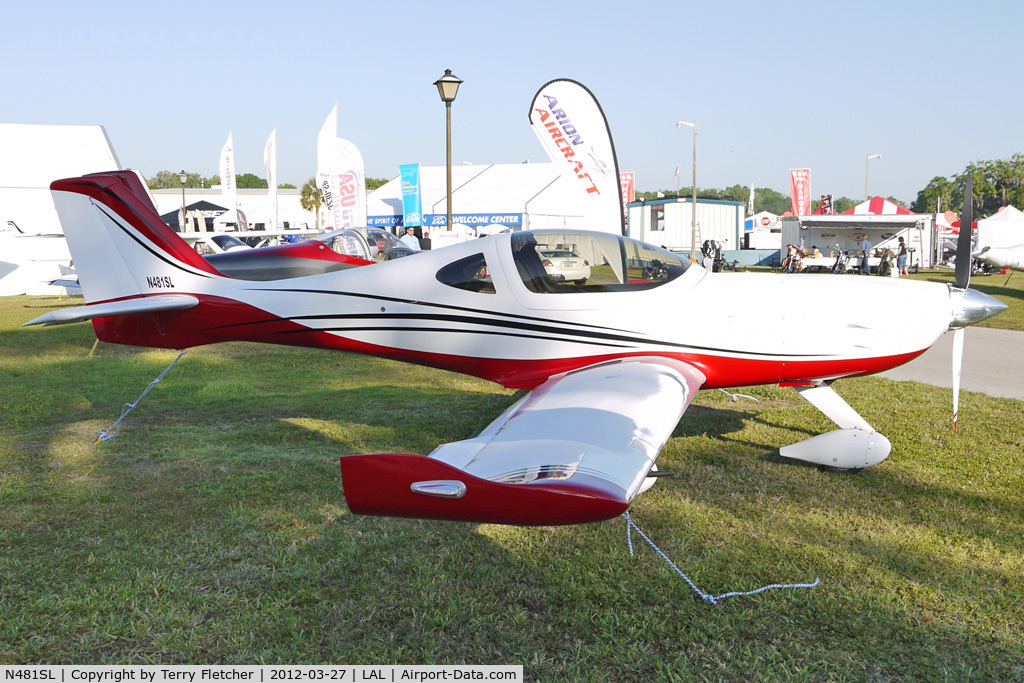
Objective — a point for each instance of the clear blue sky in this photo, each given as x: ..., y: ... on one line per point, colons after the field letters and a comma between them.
x: 931, y: 86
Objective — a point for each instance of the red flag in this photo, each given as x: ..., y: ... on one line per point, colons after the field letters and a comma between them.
x: 800, y: 188
x: 627, y: 183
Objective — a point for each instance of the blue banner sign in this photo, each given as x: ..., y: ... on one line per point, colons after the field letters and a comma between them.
x: 439, y: 219
x: 383, y: 221
x: 474, y: 219
x: 411, y: 205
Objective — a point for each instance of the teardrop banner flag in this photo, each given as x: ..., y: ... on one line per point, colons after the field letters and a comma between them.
x: 270, y: 165
x: 341, y: 177
x: 573, y: 130
x: 228, y: 179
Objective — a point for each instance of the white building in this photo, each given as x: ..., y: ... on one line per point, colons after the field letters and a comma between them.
x: 762, y: 231
x: 668, y: 222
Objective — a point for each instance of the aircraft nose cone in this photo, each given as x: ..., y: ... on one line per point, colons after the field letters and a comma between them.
x: 971, y: 306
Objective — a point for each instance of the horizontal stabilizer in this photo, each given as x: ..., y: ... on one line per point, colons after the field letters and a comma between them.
x: 148, y: 304
x: 401, y: 485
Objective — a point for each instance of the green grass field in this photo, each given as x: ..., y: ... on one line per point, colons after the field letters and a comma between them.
x: 213, y: 529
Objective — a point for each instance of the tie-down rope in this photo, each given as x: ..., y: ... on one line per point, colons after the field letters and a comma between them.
x: 115, y: 428
x: 630, y: 525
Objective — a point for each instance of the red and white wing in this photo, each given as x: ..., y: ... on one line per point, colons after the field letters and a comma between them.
x: 576, y: 449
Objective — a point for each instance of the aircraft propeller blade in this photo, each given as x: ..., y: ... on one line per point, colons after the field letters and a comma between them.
x: 958, y: 358
x: 961, y: 279
x: 962, y: 276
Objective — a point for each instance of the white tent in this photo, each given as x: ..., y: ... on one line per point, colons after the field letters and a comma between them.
x: 491, y: 198
x: 35, y: 156
x: 32, y: 247
x: 1003, y: 229
x: 763, y: 231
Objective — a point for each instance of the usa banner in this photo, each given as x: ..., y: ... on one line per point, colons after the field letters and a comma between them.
x: 800, y: 188
x: 341, y: 177
x: 572, y: 129
x: 412, y: 206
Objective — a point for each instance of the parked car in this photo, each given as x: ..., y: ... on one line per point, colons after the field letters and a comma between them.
x: 563, y: 265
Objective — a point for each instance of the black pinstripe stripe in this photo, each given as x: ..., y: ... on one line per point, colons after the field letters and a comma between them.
x: 160, y: 255
x: 509, y: 328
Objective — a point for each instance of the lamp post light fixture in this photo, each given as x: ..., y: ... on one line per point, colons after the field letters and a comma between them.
x: 693, y: 209
x: 448, y: 88
x: 183, y: 177
x: 867, y: 172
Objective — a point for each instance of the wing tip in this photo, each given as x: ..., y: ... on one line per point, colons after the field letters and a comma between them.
x: 381, y: 484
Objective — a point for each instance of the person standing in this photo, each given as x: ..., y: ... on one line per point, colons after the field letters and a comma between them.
x: 901, y: 257
x: 409, y: 239
x: 865, y: 251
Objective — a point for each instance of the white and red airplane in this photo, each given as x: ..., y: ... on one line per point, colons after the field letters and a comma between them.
x: 612, y: 363
x: 1003, y: 257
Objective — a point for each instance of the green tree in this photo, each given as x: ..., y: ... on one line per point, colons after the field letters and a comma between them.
x: 995, y: 184
x: 311, y: 200
x: 285, y: 186
x: 374, y: 183
x: 937, y: 195
x: 250, y: 181
x: 165, y: 180
x: 767, y: 199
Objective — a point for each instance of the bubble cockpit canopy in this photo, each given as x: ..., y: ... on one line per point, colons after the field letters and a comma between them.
x: 565, y: 261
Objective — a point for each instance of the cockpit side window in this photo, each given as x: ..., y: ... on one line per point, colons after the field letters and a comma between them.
x: 470, y: 273
x: 559, y: 262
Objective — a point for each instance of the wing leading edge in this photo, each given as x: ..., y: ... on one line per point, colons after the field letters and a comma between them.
x: 578, y: 448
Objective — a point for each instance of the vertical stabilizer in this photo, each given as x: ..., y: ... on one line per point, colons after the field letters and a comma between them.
x: 120, y: 246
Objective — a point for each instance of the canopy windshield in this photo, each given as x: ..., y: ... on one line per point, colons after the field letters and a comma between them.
x: 559, y: 261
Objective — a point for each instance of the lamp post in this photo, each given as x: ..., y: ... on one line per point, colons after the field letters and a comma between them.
x: 693, y: 209
x: 183, y: 177
x: 867, y: 172
x: 448, y: 88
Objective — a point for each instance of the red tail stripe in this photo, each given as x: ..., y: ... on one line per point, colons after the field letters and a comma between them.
x: 113, y: 190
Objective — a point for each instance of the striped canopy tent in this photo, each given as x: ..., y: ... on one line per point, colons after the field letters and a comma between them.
x: 877, y: 206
